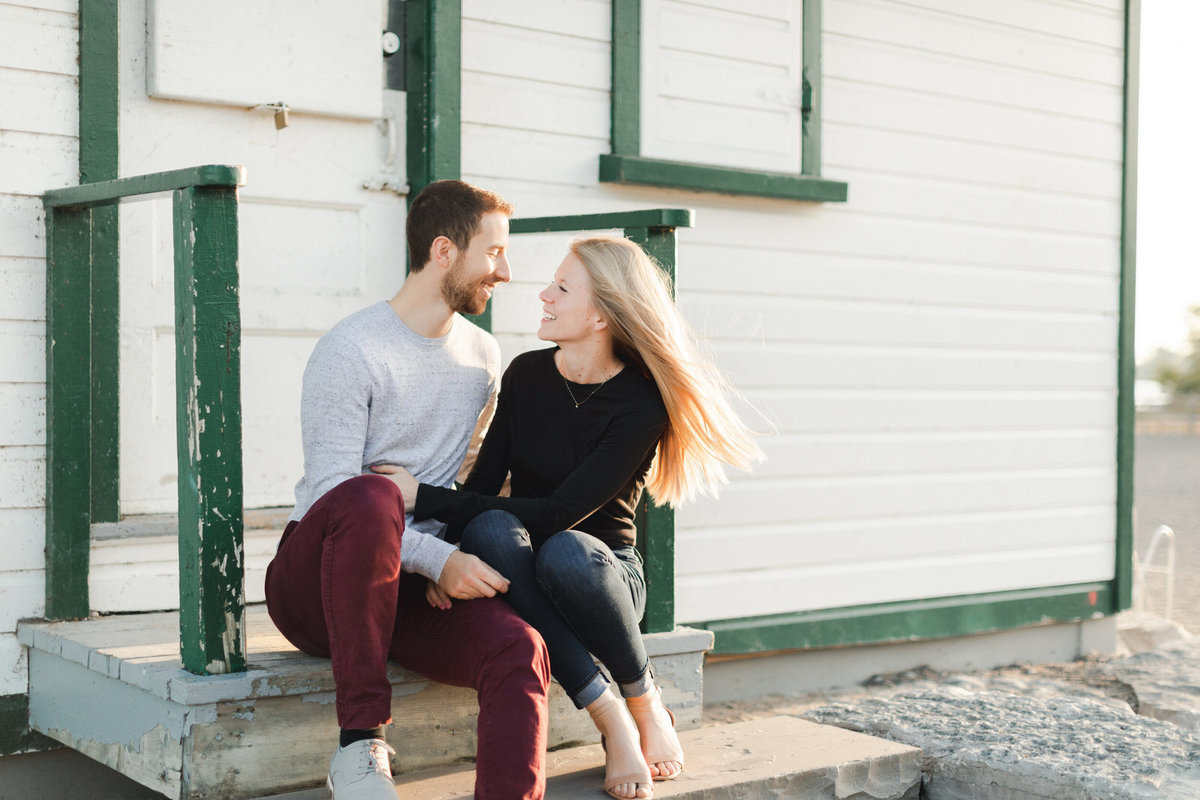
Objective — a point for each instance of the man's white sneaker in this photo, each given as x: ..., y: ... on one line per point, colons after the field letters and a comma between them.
x: 362, y: 771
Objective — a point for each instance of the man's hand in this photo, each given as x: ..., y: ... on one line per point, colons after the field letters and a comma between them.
x: 403, y: 480
x: 465, y: 577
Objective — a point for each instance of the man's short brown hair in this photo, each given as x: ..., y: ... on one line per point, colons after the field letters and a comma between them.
x: 448, y: 208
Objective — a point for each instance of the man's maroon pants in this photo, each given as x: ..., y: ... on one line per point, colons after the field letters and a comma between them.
x: 335, y: 589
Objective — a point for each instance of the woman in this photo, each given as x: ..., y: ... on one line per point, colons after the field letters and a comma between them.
x: 624, y: 401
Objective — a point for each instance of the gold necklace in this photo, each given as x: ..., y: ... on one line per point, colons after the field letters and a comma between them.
x: 578, y: 403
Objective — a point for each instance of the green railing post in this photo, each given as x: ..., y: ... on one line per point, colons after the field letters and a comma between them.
x: 654, y: 230
x: 656, y: 524
x: 68, y: 411
x: 209, y: 431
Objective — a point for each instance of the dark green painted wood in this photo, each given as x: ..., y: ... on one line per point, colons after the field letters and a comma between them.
x: 68, y: 412
x: 908, y: 621
x: 810, y: 55
x: 699, y: 177
x: 15, y: 735
x: 108, y: 192
x: 626, y: 98
x: 648, y: 218
x: 656, y: 524
x: 433, y: 70
x: 1126, y: 355
x: 98, y: 149
x: 434, y: 74
x: 209, y: 431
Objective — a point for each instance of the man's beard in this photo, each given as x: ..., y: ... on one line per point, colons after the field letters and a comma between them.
x: 462, y: 297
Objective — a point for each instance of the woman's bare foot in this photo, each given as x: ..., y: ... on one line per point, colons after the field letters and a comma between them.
x: 656, y: 730
x: 626, y: 775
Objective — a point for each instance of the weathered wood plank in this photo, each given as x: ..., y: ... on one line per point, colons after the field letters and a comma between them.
x: 848, y: 541
x: 209, y: 441
x: 38, y: 41
x: 760, y: 592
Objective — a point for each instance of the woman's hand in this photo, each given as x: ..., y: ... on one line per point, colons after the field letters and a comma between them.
x: 403, y: 480
x: 436, y: 597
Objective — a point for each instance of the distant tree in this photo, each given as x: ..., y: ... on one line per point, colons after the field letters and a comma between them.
x: 1182, y: 378
x: 1162, y: 358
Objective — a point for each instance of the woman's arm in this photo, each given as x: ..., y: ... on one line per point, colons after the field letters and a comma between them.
x: 597, y: 480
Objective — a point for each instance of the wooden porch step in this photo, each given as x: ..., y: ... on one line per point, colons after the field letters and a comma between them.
x: 113, y: 688
x: 758, y: 760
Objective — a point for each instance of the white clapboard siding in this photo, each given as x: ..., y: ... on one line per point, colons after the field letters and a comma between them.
x: 876, y: 410
x: 868, y: 581
x: 933, y: 363
x: 525, y: 51
x: 22, y: 289
x: 704, y: 548
x: 55, y: 110
x: 25, y: 539
x: 39, y: 40
x: 38, y: 151
x: 23, y: 358
x: 708, y: 98
x: 898, y: 66
x: 813, y: 455
x: 889, y: 152
x: 31, y: 163
x: 23, y: 422
x: 22, y: 477
x: 155, y: 560
x: 1019, y: 41
x: 841, y: 367
x: 836, y: 277
x: 581, y: 19
x: 864, y: 322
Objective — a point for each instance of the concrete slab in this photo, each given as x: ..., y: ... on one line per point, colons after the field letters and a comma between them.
x: 1165, y: 682
x: 998, y: 746
x: 758, y: 760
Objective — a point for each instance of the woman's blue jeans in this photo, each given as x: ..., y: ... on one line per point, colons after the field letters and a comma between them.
x: 581, y: 595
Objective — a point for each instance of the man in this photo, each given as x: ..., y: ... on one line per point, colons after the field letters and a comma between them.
x: 406, y: 382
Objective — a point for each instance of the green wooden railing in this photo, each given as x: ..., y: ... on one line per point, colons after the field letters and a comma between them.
x: 81, y: 408
x: 654, y: 230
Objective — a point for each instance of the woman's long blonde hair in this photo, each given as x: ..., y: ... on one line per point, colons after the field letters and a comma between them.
x: 703, y: 431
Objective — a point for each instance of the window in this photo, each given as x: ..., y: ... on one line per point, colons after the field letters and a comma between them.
x: 713, y: 96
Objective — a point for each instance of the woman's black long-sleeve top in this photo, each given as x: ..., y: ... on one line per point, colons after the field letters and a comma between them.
x: 578, y: 467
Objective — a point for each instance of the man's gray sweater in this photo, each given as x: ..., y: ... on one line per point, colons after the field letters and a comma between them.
x: 375, y: 392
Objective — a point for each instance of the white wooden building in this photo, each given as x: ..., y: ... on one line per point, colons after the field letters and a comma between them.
x: 912, y: 252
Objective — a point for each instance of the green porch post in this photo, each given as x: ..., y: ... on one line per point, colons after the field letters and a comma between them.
x: 209, y: 431
x: 68, y: 410
x: 656, y: 524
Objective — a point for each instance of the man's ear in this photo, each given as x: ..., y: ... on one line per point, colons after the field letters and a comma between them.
x: 442, y: 252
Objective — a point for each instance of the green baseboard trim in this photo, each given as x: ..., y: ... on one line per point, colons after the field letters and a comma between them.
x: 937, y: 618
x: 15, y: 736
x: 698, y: 177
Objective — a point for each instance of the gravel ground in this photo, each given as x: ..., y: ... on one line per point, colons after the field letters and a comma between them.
x: 1167, y: 492
x: 1084, y: 677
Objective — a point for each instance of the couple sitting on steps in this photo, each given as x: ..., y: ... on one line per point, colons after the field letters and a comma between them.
x: 383, y: 560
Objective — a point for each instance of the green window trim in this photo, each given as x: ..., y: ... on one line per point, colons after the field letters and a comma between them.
x: 936, y: 618
x: 627, y: 166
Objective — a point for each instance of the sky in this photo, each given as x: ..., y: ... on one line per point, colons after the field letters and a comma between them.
x: 1168, y: 234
